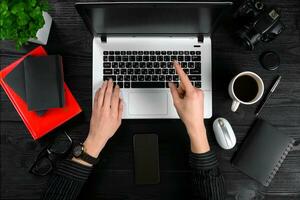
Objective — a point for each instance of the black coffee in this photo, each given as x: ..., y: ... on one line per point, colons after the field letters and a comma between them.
x: 245, y: 88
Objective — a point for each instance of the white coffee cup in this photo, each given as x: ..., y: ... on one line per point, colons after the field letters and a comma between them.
x: 231, y: 89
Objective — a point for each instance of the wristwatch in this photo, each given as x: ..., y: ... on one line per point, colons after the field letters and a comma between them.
x: 79, y: 152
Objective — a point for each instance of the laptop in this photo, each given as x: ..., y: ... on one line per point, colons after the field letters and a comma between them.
x: 135, y: 43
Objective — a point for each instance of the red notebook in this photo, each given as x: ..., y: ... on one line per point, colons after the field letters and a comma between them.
x: 37, y: 125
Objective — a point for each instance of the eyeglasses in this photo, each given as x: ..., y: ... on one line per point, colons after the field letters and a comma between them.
x: 45, y: 161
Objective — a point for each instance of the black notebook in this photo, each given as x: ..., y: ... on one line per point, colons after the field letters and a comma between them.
x: 262, y: 152
x: 44, y: 82
x: 39, y: 82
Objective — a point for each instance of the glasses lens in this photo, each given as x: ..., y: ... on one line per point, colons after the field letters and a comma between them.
x: 61, y: 144
x: 42, y: 167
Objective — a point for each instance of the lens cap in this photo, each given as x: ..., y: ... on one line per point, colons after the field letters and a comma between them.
x: 270, y: 60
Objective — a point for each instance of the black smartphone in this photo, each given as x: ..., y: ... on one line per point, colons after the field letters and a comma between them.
x: 146, y: 158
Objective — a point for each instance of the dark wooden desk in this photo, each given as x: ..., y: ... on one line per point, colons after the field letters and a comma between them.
x: 113, y: 178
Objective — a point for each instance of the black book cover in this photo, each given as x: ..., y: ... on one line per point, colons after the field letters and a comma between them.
x: 262, y: 152
x: 44, y: 82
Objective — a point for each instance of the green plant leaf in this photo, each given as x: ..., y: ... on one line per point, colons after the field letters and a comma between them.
x: 20, y: 20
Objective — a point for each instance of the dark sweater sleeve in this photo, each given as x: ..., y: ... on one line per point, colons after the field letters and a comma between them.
x: 67, y: 181
x: 207, y: 181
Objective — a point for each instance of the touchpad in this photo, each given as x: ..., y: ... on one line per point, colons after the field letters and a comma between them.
x: 148, y: 103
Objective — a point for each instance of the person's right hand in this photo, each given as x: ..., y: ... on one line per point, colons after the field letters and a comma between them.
x: 189, y: 103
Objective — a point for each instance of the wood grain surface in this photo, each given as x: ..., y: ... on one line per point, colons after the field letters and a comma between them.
x: 113, y: 179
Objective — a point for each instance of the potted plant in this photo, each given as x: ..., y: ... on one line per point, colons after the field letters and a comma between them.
x: 24, y: 21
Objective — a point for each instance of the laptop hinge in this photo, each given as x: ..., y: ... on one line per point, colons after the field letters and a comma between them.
x: 200, y: 38
x: 103, y: 38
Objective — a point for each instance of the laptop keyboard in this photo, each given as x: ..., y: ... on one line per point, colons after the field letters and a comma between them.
x: 150, y: 69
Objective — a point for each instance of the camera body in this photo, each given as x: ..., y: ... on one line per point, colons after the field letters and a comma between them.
x: 257, y: 23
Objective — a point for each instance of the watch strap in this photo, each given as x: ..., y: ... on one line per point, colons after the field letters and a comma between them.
x: 89, y: 159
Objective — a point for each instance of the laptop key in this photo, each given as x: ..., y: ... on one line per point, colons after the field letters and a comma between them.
x: 116, y: 71
x: 150, y: 71
x: 128, y: 53
x: 146, y: 58
x: 173, y: 58
x: 196, y: 58
x: 123, y: 71
x: 107, y: 71
x: 115, y: 65
x: 154, y: 78
x: 195, y: 78
x: 169, y: 78
x: 152, y: 52
x: 126, y: 84
x: 149, y: 64
x: 156, y: 65
x: 135, y: 65
x: 198, y: 65
x: 165, y: 71
x: 111, y: 58
x: 198, y: 84
x: 141, y: 78
x: 198, y: 52
x: 195, y: 71
x: 192, y: 52
x: 163, y: 53
x: 186, y: 71
x: 175, y: 78
x: 111, y: 53
x: 142, y: 65
x: 171, y: 71
x: 123, y: 52
x: 180, y: 58
x: 121, y: 65
x: 170, y: 65
x: 125, y: 58
x: 105, y: 53
x: 117, y: 52
x: 163, y: 65
x: 191, y: 65
x: 148, y: 77
x: 180, y: 52
x: 158, y: 71
x: 109, y: 77
x: 186, y: 53
x: 140, y: 53
x: 184, y: 64
x: 131, y: 58
x: 133, y: 78
x: 152, y: 58
x: 120, y: 84
x: 187, y: 58
x: 130, y: 71
x: 160, y: 58
x: 134, y: 53
x: 161, y: 78
x: 106, y: 65
x: 146, y: 52
x: 139, y: 58
x: 120, y: 78
x: 175, y: 52
x: 128, y: 65
x: 167, y: 58
x: 144, y: 71
x: 105, y: 58
x: 126, y: 78
x: 157, y: 52
x: 147, y: 84
x: 169, y: 52
x: 137, y: 71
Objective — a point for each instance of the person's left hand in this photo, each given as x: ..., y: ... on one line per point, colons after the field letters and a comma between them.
x: 106, y: 117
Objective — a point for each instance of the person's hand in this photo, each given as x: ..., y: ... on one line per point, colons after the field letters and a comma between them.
x: 106, y: 118
x: 189, y: 103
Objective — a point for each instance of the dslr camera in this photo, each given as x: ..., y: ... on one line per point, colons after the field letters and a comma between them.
x: 257, y: 23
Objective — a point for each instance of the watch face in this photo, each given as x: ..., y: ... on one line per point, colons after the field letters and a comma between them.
x: 77, y: 151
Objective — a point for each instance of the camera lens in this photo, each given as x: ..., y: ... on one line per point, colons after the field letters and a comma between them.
x: 245, y: 40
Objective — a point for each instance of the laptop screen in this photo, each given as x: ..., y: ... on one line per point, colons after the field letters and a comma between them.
x: 151, y: 18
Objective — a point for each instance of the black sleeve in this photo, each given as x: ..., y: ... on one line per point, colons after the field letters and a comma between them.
x: 207, y: 181
x: 67, y: 181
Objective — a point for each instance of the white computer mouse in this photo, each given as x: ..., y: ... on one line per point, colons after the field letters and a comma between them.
x: 224, y: 133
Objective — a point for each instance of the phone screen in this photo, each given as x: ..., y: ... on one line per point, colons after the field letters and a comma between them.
x: 146, y: 158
